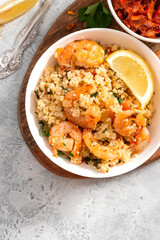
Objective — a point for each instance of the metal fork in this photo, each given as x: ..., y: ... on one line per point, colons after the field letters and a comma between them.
x: 11, y: 59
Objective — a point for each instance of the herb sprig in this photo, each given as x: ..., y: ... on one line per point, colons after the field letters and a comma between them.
x: 95, y: 16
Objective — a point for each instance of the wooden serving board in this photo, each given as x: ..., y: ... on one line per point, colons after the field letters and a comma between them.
x: 57, y: 31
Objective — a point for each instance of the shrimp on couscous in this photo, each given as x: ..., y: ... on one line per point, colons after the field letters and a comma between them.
x: 87, y: 111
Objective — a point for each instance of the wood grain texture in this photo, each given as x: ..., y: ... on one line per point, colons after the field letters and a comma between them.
x: 57, y: 31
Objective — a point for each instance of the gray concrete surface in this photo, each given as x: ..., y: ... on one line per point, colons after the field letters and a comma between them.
x: 36, y: 204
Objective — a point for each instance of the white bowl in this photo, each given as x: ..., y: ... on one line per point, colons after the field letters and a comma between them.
x: 155, y: 40
x: 107, y: 36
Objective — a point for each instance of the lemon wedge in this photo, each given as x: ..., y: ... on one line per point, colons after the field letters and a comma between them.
x: 135, y: 72
x: 14, y: 8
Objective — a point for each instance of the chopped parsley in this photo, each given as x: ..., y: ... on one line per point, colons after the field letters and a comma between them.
x: 41, y: 130
x: 104, y: 130
x: 94, y: 161
x: 119, y: 99
x: 119, y: 161
x: 36, y: 93
x: 71, y: 154
x: 60, y: 153
x: 87, y: 160
x: 106, y: 51
x: 95, y: 16
x: 65, y: 89
x: 94, y: 94
x: 64, y: 144
x: 48, y: 92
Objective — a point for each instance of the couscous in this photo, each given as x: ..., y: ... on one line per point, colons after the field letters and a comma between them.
x: 88, y: 112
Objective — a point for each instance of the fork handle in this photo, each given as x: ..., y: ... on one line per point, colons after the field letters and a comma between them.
x: 11, y: 59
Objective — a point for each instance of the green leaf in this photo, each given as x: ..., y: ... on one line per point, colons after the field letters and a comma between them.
x: 90, y: 22
x: 81, y: 16
x: 92, y: 9
x: 96, y: 15
x: 106, y: 11
x: 101, y: 18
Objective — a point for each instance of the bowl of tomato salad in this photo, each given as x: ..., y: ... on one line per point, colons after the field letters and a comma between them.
x: 139, y: 18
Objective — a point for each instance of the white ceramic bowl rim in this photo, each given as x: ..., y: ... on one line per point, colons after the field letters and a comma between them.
x: 155, y: 40
x: 112, y: 36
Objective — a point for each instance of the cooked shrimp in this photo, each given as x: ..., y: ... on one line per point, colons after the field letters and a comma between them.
x: 111, y: 152
x: 59, y: 139
x: 131, y: 124
x: 90, y: 117
x: 109, y: 112
x: 83, y: 53
x: 126, y: 123
x: 141, y: 140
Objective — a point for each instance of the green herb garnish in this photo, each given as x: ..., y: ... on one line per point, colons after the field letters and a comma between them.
x: 65, y: 89
x: 96, y: 15
x: 94, y: 94
x: 104, y: 130
x: 36, y: 93
x: 71, y: 154
x: 64, y: 144
x: 42, y: 132
x: 94, y: 161
x: 119, y: 99
x: 119, y: 161
x: 106, y: 50
x: 48, y: 92
x: 60, y: 153
x: 87, y: 160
